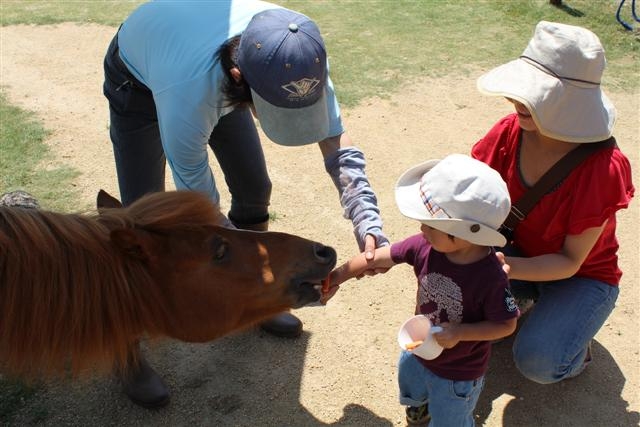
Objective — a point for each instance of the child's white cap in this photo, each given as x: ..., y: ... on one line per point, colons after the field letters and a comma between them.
x: 458, y: 195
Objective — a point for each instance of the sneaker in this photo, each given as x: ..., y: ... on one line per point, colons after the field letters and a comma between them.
x: 418, y: 415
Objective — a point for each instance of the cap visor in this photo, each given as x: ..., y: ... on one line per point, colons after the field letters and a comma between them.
x: 293, y: 126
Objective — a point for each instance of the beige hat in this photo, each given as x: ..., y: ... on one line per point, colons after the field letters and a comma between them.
x: 557, y: 78
x: 457, y: 195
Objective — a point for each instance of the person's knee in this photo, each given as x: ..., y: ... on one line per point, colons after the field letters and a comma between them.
x: 535, y: 363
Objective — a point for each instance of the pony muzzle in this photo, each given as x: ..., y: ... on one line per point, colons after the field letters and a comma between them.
x: 308, y: 289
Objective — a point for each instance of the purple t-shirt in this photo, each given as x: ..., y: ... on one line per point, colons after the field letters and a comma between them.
x: 455, y: 293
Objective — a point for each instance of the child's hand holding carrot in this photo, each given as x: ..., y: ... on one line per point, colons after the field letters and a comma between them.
x: 355, y: 267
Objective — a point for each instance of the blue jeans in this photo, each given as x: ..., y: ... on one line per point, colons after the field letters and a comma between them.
x: 553, y: 340
x: 451, y: 403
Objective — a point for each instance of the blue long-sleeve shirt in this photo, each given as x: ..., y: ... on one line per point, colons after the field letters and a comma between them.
x: 170, y: 47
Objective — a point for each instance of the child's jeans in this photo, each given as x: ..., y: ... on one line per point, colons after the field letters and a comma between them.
x: 451, y: 403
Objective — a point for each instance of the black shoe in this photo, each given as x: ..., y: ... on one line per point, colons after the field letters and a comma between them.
x: 144, y: 386
x: 284, y: 325
x: 418, y: 415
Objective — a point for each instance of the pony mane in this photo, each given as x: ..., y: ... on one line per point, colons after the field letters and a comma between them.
x: 165, y: 212
x: 69, y: 299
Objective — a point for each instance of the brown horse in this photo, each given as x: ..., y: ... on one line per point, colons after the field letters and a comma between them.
x: 77, y: 290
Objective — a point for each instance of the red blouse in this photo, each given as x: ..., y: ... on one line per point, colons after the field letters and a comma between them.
x: 590, y: 195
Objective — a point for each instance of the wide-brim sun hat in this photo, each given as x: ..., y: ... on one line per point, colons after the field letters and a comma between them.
x: 457, y: 195
x: 283, y: 59
x: 558, y: 78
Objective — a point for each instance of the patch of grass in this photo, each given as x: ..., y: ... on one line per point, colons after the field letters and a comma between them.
x: 622, y: 47
x: 107, y: 12
x: 22, y: 152
x: 377, y: 46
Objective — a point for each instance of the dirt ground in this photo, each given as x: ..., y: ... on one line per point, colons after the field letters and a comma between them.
x: 342, y: 371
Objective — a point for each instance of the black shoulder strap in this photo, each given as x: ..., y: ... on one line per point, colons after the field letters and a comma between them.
x: 553, y: 176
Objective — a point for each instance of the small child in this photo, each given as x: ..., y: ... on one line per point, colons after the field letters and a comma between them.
x: 460, y: 203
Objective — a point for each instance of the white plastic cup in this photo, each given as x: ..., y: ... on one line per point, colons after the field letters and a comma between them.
x: 418, y: 328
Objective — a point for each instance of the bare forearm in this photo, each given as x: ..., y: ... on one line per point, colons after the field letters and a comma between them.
x: 565, y: 263
x: 357, y: 265
x: 452, y: 334
x: 542, y: 268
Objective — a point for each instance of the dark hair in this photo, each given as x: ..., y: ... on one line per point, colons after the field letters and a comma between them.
x: 238, y: 94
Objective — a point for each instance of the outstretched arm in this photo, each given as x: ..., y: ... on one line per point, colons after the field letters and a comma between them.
x: 346, y: 165
x: 356, y: 267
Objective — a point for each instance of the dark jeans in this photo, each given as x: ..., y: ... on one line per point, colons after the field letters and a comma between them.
x: 140, y: 159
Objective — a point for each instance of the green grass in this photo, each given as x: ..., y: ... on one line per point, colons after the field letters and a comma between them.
x: 375, y: 46
x: 38, y: 12
x: 22, y: 153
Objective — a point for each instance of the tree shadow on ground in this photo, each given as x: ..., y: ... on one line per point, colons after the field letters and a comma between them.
x: 591, y: 399
x: 247, y: 379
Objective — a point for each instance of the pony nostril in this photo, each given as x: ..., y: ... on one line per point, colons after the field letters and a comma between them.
x: 324, y: 254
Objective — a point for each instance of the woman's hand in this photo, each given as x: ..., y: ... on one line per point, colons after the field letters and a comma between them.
x: 503, y: 260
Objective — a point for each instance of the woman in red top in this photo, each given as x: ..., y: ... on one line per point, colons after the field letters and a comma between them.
x: 564, y: 252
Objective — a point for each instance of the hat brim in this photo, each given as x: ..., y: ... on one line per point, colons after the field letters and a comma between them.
x: 407, y: 193
x: 293, y: 126
x: 562, y: 109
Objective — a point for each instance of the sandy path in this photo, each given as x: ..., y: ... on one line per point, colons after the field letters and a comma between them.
x: 342, y: 371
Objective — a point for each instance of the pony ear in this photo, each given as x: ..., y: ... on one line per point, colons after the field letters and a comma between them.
x: 106, y: 200
x: 134, y: 243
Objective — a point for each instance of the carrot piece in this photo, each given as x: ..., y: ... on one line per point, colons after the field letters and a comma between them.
x: 412, y: 345
x: 326, y: 283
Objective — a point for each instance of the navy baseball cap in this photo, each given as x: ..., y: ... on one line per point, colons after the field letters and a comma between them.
x: 283, y: 59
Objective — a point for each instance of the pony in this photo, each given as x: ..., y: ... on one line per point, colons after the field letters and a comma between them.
x: 76, y: 290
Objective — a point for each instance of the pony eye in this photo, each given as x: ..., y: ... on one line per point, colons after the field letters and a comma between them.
x: 218, y: 249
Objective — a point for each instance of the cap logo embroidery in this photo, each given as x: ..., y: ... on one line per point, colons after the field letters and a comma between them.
x: 302, y: 88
